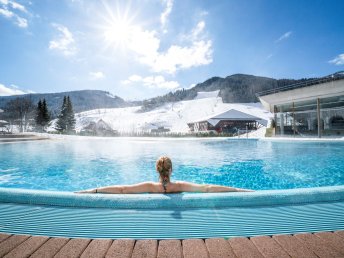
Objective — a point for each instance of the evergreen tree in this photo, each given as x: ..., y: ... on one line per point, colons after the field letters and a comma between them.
x: 39, y: 118
x: 66, y: 119
x: 70, y: 115
x: 61, y: 124
x: 45, y: 114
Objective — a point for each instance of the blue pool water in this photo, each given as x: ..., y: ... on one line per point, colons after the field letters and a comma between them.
x: 70, y: 165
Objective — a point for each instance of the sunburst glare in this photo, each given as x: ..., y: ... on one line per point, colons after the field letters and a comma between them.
x: 117, y: 31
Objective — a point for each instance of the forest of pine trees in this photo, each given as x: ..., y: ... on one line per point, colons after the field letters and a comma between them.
x: 66, y: 120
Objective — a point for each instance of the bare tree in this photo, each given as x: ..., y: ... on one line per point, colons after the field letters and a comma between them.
x: 20, y: 111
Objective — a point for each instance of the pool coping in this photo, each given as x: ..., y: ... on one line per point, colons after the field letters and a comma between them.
x: 174, y: 201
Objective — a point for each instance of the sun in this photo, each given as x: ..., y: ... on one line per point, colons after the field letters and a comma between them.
x: 118, y: 29
x: 118, y: 33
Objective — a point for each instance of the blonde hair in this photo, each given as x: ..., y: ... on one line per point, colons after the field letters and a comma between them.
x: 163, y: 167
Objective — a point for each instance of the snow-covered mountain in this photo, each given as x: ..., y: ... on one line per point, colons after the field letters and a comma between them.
x: 173, y: 116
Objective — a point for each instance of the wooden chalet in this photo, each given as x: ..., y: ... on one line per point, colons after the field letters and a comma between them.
x: 100, y: 128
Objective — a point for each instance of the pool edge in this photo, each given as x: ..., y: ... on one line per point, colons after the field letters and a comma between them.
x: 171, y: 201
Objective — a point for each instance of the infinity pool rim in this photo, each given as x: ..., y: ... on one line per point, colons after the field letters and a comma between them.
x: 171, y: 201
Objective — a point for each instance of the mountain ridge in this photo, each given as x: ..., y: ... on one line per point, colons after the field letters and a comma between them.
x: 235, y: 88
x: 82, y: 100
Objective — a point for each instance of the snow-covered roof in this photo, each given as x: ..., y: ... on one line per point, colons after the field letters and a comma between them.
x: 234, y: 114
x: 231, y: 114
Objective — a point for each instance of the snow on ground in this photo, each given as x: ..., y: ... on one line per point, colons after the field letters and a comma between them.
x: 173, y: 116
x: 207, y: 94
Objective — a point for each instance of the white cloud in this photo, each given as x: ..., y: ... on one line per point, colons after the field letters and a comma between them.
x: 8, y: 91
x: 151, y: 82
x: 6, y: 13
x: 178, y: 57
x: 338, y: 60
x: 97, y: 75
x: 8, y: 10
x: 196, y: 52
x: 165, y: 14
x: 196, y: 32
x: 64, y: 42
x: 21, y: 22
x: 284, y: 36
x: 17, y: 6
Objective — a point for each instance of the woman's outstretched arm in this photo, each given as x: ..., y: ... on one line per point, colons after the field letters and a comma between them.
x: 191, y: 187
x: 146, y: 187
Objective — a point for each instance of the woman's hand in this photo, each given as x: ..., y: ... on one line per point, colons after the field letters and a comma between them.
x: 94, y: 190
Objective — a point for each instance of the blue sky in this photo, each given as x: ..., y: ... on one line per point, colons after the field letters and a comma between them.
x: 139, y: 49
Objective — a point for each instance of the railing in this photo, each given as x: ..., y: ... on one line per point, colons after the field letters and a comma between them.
x: 330, y: 78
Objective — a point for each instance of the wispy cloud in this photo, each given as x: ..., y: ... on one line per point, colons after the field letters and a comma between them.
x: 12, y: 90
x: 13, y: 11
x: 165, y: 14
x: 97, y: 75
x: 151, y: 82
x: 64, y: 42
x: 284, y: 36
x: 338, y: 60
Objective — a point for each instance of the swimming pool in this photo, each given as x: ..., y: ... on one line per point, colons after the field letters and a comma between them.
x: 304, y: 181
x: 261, y: 165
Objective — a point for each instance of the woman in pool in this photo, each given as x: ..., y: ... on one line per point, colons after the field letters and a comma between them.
x: 164, y: 168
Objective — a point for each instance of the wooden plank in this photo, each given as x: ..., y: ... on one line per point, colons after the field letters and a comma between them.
x: 97, y: 248
x: 268, y: 247
x: 293, y: 246
x: 194, y: 248
x: 50, y: 248
x: 121, y: 248
x: 28, y: 247
x: 318, y: 246
x: 340, y: 233
x: 170, y: 249
x: 332, y: 240
x: 4, y: 236
x: 10, y: 243
x: 145, y: 249
x: 243, y: 247
x: 73, y: 248
x: 219, y: 248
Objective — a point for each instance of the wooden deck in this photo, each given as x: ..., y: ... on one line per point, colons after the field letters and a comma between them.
x: 324, y: 244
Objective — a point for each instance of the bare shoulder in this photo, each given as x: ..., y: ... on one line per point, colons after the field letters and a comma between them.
x: 185, y: 183
x: 184, y: 186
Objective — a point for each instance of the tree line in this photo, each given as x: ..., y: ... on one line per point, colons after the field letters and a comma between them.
x: 22, y: 112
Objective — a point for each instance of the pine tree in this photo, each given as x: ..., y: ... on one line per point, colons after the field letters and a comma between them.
x: 39, y: 118
x: 70, y: 115
x: 61, y: 124
x: 66, y: 119
x: 45, y: 114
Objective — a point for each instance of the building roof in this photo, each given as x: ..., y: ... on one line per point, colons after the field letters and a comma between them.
x: 234, y: 114
x: 231, y: 114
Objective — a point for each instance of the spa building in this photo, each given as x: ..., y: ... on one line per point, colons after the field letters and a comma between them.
x: 311, y: 108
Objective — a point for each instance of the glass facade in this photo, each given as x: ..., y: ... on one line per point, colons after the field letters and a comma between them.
x: 322, y: 117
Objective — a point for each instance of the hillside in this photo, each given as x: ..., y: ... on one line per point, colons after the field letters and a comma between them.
x: 173, y: 116
x: 82, y: 100
x: 237, y: 88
